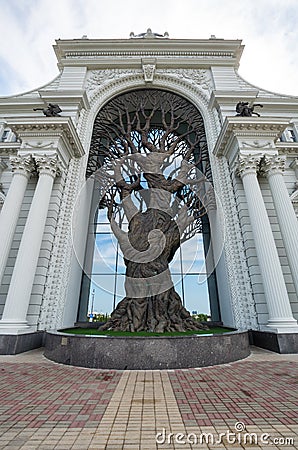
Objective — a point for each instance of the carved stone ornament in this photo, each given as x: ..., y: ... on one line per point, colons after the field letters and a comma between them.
x: 149, y: 35
x: 23, y: 165
x: 248, y: 164
x: 273, y: 164
x: 257, y: 144
x: 39, y: 145
x: 148, y: 70
x: 243, y: 109
x: 199, y: 77
x: 98, y: 77
x: 52, y: 110
x: 48, y: 165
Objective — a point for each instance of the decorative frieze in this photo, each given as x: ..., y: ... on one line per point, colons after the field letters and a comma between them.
x: 198, y: 77
x: 96, y: 78
x: 40, y: 145
x: 256, y: 145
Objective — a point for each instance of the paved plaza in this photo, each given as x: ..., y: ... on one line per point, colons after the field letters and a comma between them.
x: 252, y: 403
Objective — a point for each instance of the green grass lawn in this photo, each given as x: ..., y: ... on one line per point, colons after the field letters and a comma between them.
x: 94, y: 331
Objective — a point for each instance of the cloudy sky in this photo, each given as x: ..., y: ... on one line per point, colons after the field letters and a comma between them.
x: 268, y: 29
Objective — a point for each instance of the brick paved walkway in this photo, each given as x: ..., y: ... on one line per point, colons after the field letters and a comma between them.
x: 44, y: 405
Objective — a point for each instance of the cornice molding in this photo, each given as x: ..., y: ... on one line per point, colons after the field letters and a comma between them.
x: 116, y: 53
x: 61, y: 127
x: 249, y: 128
x: 9, y: 148
x: 69, y: 96
x: 287, y: 148
x: 226, y: 97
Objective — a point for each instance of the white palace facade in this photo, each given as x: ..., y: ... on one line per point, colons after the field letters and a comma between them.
x: 46, y: 204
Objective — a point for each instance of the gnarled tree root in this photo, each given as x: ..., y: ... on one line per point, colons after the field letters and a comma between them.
x: 160, y: 313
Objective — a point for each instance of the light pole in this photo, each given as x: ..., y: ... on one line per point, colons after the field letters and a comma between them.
x: 92, y: 305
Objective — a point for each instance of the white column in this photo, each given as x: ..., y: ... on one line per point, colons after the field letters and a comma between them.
x: 273, y: 167
x: 22, y: 168
x: 280, y: 314
x: 18, y: 297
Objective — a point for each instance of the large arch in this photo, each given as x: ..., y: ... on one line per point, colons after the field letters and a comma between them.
x: 110, y: 89
x: 235, y: 294
x: 102, y: 147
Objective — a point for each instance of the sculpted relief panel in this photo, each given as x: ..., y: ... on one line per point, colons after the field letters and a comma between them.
x: 197, y: 77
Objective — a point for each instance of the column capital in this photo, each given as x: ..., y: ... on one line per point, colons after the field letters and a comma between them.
x: 22, y: 165
x: 47, y: 165
x: 248, y: 164
x: 271, y: 165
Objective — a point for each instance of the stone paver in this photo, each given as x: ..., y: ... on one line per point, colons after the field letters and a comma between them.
x: 247, y: 404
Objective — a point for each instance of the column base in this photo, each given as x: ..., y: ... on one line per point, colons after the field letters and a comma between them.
x: 282, y: 326
x: 15, y: 327
x: 284, y: 343
x: 12, y: 344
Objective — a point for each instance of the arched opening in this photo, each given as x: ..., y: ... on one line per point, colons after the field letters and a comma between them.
x: 149, y: 146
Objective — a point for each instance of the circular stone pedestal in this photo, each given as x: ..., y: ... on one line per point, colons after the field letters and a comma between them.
x: 169, y: 352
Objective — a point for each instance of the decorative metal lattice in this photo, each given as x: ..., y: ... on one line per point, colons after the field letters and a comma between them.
x: 148, y: 121
x: 149, y: 157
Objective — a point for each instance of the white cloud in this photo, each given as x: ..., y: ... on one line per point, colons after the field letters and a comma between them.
x: 267, y: 27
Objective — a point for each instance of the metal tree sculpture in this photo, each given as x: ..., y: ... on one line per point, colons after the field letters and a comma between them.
x: 148, y: 147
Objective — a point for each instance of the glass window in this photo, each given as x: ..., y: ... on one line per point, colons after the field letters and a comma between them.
x: 292, y: 135
x: 103, y: 285
x: 5, y: 135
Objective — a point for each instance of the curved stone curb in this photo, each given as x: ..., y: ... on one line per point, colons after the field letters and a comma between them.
x: 146, y: 353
